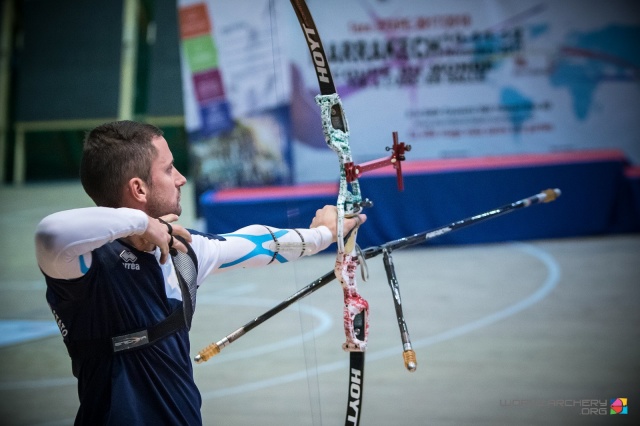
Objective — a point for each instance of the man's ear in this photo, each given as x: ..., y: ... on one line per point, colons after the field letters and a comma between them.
x: 137, y: 190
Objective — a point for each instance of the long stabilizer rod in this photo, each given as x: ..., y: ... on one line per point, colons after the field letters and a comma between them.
x: 213, y: 349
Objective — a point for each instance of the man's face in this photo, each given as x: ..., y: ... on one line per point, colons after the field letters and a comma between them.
x: 166, y: 180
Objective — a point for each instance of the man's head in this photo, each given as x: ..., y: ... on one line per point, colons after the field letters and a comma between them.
x: 129, y: 164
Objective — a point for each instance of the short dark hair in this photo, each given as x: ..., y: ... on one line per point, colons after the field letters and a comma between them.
x: 114, y: 153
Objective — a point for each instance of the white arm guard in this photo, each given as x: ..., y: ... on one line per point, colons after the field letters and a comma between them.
x: 258, y: 245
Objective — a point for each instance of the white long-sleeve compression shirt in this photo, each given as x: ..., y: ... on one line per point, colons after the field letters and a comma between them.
x: 65, y: 240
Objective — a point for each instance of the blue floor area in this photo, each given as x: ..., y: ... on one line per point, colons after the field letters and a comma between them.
x: 13, y: 332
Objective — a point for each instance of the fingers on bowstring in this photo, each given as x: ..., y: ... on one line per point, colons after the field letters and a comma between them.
x: 176, y: 244
x: 182, y: 232
x: 164, y: 253
x: 174, y: 228
x: 168, y: 218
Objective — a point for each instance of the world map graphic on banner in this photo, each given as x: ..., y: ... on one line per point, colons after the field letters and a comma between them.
x: 596, y: 57
x: 586, y: 61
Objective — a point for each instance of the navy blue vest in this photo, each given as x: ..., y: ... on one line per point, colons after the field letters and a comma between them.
x: 124, y: 290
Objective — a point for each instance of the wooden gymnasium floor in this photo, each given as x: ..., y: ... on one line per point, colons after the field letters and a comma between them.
x: 520, y: 333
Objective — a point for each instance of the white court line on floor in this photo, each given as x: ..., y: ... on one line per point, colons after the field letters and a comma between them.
x: 551, y: 281
x: 325, y: 323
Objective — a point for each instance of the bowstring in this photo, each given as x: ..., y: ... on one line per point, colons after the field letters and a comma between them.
x: 293, y: 218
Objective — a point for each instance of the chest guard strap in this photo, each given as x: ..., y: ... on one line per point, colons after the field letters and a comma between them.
x: 186, y: 267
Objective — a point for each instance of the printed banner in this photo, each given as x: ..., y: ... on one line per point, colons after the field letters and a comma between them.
x: 473, y: 78
x: 235, y: 95
x: 455, y: 79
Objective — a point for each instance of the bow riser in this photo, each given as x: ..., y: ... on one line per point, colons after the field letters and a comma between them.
x: 354, y: 305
